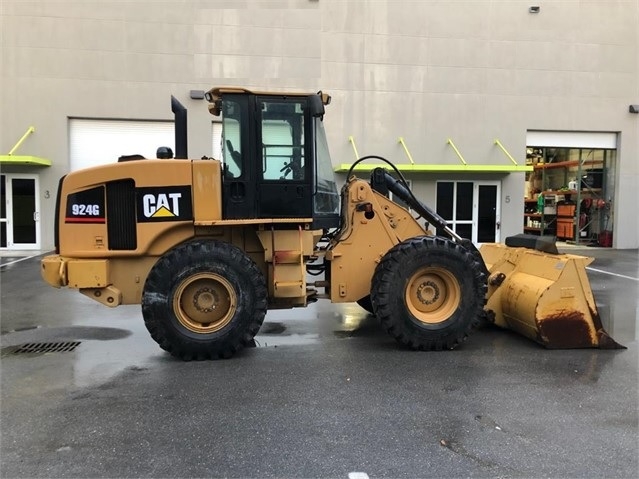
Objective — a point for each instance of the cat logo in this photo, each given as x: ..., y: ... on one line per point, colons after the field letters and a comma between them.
x: 160, y: 207
x: 164, y: 204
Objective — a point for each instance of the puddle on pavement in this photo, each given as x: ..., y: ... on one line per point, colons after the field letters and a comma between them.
x: 274, y: 334
x: 34, y: 334
x: 19, y: 330
x: 103, y: 352
x: 268, y: 341
x: 318, y: 321
x: 272, y: 328
x: 620, y: 318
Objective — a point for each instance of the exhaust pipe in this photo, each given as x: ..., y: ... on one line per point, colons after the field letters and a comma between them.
x: 179, y: 112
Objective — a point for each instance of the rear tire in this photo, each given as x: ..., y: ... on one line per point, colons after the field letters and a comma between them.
x: 204, y: 300
x: 429, y: 293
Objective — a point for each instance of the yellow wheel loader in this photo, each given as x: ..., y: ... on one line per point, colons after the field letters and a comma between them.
x: 207, y: 246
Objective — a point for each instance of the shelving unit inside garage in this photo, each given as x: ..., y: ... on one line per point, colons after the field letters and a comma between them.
x: 575, y: 187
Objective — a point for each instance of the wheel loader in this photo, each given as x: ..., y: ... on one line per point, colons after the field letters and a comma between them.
x: 207, y: 246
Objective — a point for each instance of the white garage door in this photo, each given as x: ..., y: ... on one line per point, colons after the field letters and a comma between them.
x: 97, y: 142
x: 571, y: 139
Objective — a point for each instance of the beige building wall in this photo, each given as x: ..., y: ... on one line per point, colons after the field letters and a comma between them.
x: 472, y: 71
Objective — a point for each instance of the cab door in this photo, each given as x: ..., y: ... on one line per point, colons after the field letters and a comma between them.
x: 284, y: 159
x: 238, y: 185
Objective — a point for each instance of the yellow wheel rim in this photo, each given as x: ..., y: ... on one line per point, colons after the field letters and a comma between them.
x: 432, y: 295
x: 204, y: 303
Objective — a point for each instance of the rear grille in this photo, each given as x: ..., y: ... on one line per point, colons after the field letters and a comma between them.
x: 121, y: 224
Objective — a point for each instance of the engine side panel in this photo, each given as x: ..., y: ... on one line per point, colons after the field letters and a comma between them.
x: 136, y: 208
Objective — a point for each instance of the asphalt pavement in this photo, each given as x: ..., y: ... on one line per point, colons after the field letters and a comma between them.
x: 325, y: 393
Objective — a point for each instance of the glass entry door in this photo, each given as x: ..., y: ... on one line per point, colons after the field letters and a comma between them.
x: 19, y: 212
x: 471, y: 208
x: 486, y: 212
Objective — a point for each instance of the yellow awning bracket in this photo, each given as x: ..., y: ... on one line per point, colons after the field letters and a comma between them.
x: 30, y: 130
x: 11, y: 159
x: 352, y: 142
x: 498, y: 143
x: 450, y: 142
x: 401, y: 142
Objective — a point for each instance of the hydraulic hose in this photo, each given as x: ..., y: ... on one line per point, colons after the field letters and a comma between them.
x: 401, y: 189
x: 404, y: 194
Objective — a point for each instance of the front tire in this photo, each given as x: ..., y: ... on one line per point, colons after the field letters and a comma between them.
x: 204, y: 300
x: 429, y: 293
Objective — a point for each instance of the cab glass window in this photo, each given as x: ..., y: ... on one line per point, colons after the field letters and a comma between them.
x: 282, y: 149
x: 231, y: 139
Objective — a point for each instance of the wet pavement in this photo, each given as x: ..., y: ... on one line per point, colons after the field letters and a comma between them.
x: 325, y: 393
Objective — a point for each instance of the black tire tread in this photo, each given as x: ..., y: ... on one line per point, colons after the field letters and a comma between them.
x: 388, y: 278
x: 202, y: 255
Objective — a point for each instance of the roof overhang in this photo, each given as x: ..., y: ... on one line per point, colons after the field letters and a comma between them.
x: 24, y: 160
x: 345, y: 167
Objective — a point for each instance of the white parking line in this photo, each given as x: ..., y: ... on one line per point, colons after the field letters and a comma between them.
x: 21, y: 259
x: 357, y: 475
x: 612, y: 274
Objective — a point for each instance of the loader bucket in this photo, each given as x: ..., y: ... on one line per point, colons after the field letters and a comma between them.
x: 545, y: 297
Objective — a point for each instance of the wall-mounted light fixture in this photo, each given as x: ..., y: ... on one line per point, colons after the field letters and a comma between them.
x: 534, y: 9
x: 633, y: 108
x: 196, y: 94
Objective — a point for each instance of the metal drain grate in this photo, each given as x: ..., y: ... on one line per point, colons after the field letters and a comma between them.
x: 41, y: 348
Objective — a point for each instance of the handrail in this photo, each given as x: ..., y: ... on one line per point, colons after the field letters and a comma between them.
x: 410, y: 158
x: 450, y: 142
x: 30, y: 130
x: 498, y: 143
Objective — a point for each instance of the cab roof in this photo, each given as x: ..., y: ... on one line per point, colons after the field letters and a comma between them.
x: 214, y: 95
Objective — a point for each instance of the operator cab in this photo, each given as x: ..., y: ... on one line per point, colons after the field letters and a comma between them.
x: 276, y: 158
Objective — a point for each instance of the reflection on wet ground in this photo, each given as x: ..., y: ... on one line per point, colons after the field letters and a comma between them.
x: 64, y: 315
x: 614, y: 279
x: 325, y: 381
x: 316, y: 322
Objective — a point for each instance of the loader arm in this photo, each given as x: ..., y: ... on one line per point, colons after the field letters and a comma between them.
x: 382, y: 182
x: 371, y: 225
x: 527, y: 286
x: 428, y: 292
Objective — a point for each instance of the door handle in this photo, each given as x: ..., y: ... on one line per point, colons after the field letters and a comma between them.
x: 238, y: 191
x: 498, y: 224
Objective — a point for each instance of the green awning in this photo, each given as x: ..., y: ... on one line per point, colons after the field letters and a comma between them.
x: 344, y: 167
x: 24, y: 160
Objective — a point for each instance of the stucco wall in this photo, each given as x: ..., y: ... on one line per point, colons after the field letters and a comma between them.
x: 427, y: 71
